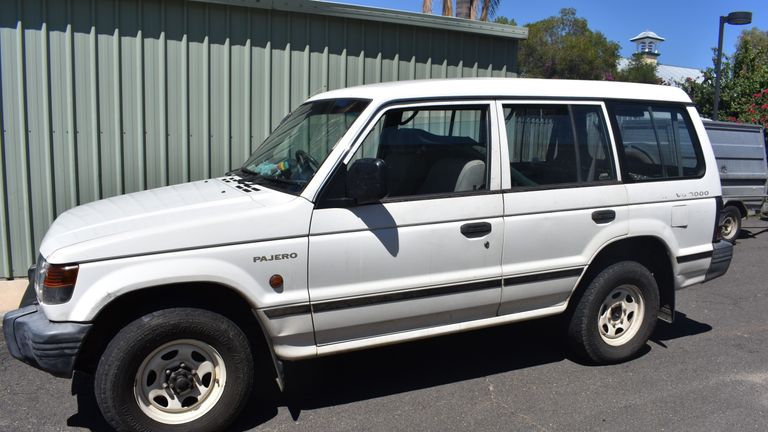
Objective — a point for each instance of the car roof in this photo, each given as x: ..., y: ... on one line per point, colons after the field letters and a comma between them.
x: 507, y: 87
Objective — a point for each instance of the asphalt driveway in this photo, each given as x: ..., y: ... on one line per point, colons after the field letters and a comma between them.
x: 708, y: 371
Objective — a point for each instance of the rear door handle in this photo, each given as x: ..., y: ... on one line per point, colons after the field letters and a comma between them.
x: 477, y: 229
x: 603, y: 216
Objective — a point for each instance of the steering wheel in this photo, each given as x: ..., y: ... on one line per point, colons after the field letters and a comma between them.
x: 306, y: 161
x: 640, y: 154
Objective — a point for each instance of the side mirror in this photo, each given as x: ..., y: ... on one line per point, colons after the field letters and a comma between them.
x: 367, y: 180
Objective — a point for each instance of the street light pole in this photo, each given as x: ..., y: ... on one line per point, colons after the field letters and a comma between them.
x: 733, y: 18
x: 718, y: 62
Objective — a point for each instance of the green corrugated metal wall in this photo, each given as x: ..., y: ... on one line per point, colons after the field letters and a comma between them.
x: 100, y: 98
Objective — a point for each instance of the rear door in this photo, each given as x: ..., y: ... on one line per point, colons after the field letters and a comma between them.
x: 670, y: 187
x: 427, y: 255
x: 563, y: 199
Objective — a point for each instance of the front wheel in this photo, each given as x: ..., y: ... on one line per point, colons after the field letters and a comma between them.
x: 180, y: 369
x: 616, y: 314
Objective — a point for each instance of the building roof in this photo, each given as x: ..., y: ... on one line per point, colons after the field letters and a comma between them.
x: 382, y: 15
x: 678, y: 74
x: 508, y: 87
x: 647, y: 35
x: 670, y: 74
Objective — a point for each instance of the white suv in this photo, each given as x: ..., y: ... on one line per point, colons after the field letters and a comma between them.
x: 375, y: 215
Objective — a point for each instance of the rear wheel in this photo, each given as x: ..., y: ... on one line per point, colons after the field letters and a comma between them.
x: 616, y: 314
x: 730, y: 223
x: 181, y: 369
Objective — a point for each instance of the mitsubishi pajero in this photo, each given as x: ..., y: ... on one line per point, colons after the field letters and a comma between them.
x: 375, y: 215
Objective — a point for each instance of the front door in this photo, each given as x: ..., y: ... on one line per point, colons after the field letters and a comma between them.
x: 428, y: 254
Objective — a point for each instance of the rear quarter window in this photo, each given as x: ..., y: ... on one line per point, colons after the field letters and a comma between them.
x: 658, y: 142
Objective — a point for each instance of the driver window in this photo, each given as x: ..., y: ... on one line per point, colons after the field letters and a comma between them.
x: 431, y: 150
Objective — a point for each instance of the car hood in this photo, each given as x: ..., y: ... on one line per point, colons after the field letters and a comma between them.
x: 204, y: 213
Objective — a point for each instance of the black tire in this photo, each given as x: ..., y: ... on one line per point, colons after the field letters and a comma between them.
x: 116, y: 385
x: 604, y: 343
x: 730, y: 223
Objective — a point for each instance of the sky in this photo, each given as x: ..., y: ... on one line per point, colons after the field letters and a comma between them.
x: 689, y: 26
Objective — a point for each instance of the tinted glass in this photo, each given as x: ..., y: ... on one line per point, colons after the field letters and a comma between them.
x: 431, y: 150
x: 557, y: 144
x: 658, y: 142
x: 289, y: 157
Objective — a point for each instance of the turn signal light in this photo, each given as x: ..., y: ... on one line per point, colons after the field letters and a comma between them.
x: 276, y: 281
x: 59, y: 283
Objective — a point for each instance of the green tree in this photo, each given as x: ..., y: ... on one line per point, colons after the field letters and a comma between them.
x: 504, y: 20
x: 564, y: 47
x: 755, y: 37
x: 743, y: 82
x: 639, y: 71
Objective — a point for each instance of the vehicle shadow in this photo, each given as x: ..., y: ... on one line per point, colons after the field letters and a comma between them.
x: 423, y: 364
x: 401, y: 368
x: 682, y: 327
x: 395, y: 369
x: 88, y: 414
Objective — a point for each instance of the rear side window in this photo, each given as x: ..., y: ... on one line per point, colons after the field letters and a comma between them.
x: 659, y: 142
x: 557, y: 144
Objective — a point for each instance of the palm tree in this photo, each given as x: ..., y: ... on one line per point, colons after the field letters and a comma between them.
x: 489, y: 9
x: 426, y: 7
x: 447, y: 7
x: 465, y: 8
x: 468, y: 9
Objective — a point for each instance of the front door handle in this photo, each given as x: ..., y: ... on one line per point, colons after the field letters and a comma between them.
x: 477, y: 229
x: 603, y: 216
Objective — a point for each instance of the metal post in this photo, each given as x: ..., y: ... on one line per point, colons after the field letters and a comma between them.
x: 718, y: 61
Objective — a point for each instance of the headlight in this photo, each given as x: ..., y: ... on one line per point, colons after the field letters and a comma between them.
x: 55, y: 283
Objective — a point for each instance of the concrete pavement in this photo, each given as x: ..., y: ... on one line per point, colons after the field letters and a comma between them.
x: 10, y: 294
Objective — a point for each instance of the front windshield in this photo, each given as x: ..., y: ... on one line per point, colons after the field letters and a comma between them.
x: 292, y: 154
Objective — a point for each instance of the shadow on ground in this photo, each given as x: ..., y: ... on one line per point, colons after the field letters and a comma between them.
x: 751, y: 232
x: 399, y: 368
x: 682, y: 327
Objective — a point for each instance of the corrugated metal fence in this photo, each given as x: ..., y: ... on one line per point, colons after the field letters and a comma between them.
x: 100, y: 98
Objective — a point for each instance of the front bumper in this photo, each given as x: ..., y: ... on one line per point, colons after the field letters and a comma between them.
x: 722, y: 254
x: 46, y: 345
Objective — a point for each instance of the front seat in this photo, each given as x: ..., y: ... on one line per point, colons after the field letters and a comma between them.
x: 454, y: 175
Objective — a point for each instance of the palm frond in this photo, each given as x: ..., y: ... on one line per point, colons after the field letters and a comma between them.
x: 489, y: 9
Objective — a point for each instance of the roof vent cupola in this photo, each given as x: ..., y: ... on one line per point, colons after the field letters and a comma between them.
x: 648, y: 45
